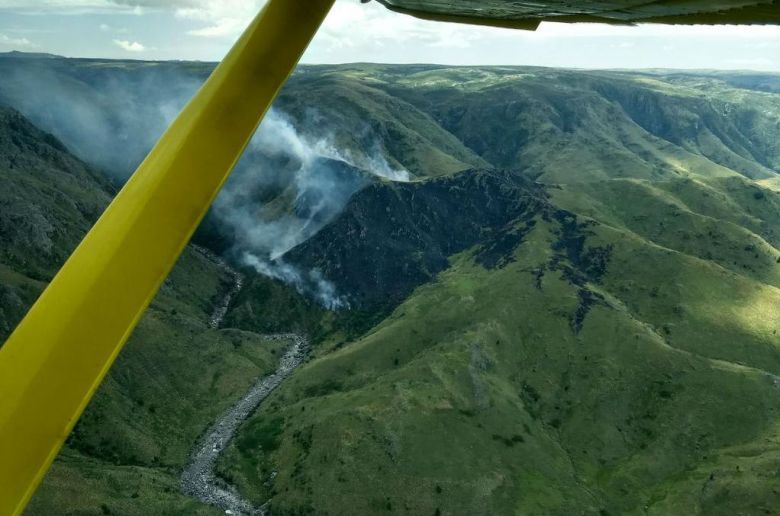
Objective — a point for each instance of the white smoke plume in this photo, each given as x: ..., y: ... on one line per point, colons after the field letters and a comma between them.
x: 286, y: 187
x: 308, y: 283
x: 110, y: 116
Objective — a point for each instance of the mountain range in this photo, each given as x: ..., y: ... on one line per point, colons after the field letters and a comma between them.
x: 528, y: 290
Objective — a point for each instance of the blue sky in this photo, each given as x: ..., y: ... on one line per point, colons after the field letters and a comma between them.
x: 205, y: 29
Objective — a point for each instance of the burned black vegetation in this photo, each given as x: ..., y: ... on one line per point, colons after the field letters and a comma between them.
x: 501, y: 251
x: 393, y: 237
x: 400, y: 235
x: 578, y: 264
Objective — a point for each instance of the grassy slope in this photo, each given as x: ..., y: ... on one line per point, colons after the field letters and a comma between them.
x: 361, y: 118
x: 43, y: 211
x: 479, y: 396
x: 569, y: 126
x: 648, y: 389
x: 337, y: 104
x: 174, y: 377
x: 435, y: 120
x: 500, y: 390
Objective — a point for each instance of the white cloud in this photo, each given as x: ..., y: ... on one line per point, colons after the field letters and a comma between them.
x: 82, y: 4
x: 369, y: 32
x: 52, y: 4
x: 8, y: 41
x: 223, y: 18
x: 62, y: 6
x: 351, y: 24
x: 78, y: 7
x: 130, y: 46
x: 223, y: 28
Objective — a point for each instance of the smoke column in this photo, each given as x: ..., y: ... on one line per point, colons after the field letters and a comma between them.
x: 286, y: 187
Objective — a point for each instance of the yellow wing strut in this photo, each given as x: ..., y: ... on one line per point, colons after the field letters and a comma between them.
x: 57, y: 356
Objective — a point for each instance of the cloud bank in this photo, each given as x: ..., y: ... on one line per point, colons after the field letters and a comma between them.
x: 130, y: 46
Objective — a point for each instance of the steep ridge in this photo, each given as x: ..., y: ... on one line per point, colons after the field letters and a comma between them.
x: 174, y: 376
x: 361, y: 116
x: 611, y: 124
x: 393, y: 237
x: 602, y: 345
x: 582, y: 367
x: 198, y: 479
x: 48, y: 200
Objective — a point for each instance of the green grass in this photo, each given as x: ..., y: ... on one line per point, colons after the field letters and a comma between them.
x: 80, y: 485
x: 478, y: 385
x: 360, y: 117
x: 174, y: 377
x: 620, y: 363
x: 172, y: 380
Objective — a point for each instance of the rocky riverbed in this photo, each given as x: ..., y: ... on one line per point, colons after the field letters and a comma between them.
x: 198, y: 479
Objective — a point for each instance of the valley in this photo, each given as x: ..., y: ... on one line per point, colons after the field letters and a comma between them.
x: 426, y: 290
x: 198, y: 478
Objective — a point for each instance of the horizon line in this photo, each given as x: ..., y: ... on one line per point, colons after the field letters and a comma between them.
x: 49, y: 55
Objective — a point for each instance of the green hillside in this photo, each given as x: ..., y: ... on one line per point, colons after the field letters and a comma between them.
x: 569, y: 126
x: 571, y: 308
x: 609, y: 348
x: 174, y: 376
x: 48, y: 200
x: 584, y: 367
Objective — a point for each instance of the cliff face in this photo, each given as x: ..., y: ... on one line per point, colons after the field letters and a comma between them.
x: 48, y: 201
